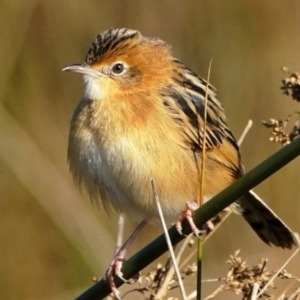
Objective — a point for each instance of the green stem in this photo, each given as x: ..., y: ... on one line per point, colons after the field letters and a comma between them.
x: 199, y: 268
x: 157, y: 247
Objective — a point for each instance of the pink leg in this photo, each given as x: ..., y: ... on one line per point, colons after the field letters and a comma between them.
x: 117, y: 262
x: 187, y: 214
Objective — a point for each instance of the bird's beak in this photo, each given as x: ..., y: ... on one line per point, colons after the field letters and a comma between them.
x: 82, y: 69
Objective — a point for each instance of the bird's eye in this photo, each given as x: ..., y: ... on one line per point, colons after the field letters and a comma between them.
x: 118, y: 68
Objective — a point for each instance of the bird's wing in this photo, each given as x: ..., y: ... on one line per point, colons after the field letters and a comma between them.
x: 185, y: 99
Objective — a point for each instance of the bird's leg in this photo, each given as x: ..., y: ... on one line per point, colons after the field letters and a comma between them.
x: 187, y: 214
x: 117, y: 262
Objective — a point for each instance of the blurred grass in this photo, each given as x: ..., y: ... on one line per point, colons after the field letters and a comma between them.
x: 52, y: 240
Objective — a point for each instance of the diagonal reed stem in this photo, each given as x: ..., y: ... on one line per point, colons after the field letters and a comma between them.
x: 157, y: 247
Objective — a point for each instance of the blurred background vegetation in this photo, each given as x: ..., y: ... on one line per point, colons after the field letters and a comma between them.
x: 52, y: 239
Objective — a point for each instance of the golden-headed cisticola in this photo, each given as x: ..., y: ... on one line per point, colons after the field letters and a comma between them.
x: 141, y: 117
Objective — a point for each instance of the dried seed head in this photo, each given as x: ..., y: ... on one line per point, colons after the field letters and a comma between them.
x: 279, y: 132
x: 291, y: 84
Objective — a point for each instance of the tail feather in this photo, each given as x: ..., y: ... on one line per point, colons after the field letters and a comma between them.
x: 268, y: 226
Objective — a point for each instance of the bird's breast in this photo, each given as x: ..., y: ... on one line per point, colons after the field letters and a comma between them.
x: 116, y: 159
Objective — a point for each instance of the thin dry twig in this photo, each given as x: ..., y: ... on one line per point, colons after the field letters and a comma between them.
x: 171, y: 270
x: 278, y: 272
x: 121, y: 225
x: 216, y: 292
x: 202, y: 171
x: 173, y: 258
x: 294, y: 295
x: 255, y: 289
x: 245, y: 132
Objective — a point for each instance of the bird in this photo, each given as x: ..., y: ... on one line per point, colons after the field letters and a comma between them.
x: 142, y: 118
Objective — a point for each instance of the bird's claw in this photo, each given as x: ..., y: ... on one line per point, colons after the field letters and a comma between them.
x: 115, y: 269
x: 187, y: 214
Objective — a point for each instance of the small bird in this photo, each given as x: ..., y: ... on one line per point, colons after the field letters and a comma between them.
x: 142, y: 118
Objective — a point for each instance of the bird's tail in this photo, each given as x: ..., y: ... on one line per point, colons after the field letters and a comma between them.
x: 268, y: 226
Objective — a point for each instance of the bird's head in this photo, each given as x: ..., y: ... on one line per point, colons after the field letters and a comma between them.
x: 124, y: 61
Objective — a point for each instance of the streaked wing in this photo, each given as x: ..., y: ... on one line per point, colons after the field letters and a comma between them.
x: 185, y: 100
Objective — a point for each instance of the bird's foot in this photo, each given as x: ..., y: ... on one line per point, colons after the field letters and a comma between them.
x: 117, y: 262
x: 187, y: 214
x: 115, y: 269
